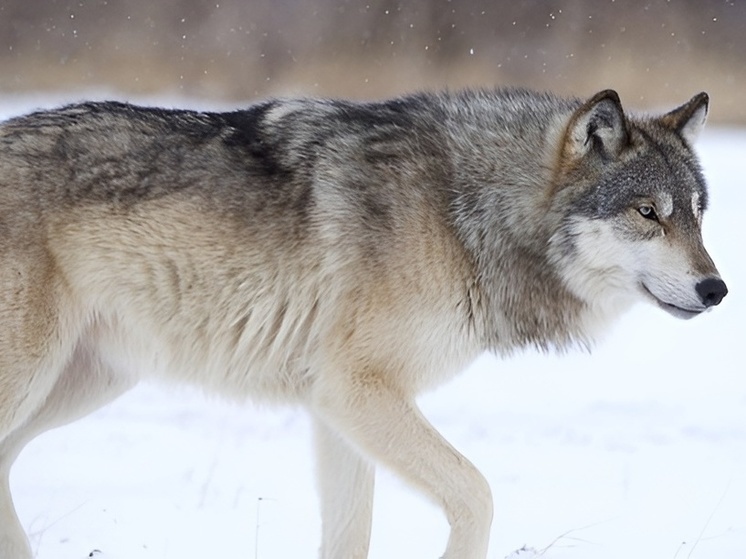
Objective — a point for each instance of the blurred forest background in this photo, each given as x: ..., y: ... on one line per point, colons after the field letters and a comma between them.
x: 654, y: 52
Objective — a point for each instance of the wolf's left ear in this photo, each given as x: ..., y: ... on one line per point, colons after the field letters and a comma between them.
x: 689, y: 119
x: 598, y: 125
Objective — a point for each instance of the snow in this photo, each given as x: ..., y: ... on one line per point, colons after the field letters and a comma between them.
x: 637, y: 450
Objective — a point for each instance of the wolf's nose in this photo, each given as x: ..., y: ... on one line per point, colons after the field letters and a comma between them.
x: 711, y: 291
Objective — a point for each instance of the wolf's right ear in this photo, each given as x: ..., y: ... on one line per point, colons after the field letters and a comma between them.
x: 598, y: 126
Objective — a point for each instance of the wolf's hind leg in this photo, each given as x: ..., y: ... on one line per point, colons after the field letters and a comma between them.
x: 346, y: 482
x: 85, y: 385
x: 391, y: 429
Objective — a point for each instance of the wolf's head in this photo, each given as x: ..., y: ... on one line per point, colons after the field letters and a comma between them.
x: 629, y: 195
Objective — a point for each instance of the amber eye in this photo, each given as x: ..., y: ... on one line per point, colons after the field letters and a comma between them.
x: 648, y: 212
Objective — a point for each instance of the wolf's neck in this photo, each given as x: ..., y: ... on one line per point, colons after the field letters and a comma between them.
x: 524, y: 303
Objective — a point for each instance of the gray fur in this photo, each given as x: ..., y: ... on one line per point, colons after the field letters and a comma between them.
x: 344, y: 256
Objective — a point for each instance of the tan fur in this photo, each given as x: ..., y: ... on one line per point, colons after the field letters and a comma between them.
x: 338, y: 256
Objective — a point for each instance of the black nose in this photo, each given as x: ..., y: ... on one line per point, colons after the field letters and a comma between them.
x: 711, y: 291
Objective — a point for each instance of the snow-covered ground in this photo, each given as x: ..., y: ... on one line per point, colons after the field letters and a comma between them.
x: 638, y: 450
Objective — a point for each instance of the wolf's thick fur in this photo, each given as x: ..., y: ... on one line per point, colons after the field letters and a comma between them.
x: 338, y: 255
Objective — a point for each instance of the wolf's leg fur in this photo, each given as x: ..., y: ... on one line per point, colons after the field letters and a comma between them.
x: 84, y: 385
x: 346, y: 482
x: 390, y: 428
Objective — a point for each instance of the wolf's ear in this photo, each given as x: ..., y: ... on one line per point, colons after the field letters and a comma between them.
x: 599, y: 125
x: 689, y: 119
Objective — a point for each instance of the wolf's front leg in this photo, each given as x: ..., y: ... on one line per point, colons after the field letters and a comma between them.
x: 390, y: 428
x: 346, y: 490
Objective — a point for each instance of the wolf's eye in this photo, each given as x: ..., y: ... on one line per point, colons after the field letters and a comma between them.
x: 648, y: 212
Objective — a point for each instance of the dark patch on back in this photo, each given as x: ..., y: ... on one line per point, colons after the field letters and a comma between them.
x: 195, y: 126
x: 247, y: 134
x: 396, y: 112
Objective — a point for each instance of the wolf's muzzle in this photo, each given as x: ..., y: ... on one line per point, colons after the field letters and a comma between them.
x: 711, y: 291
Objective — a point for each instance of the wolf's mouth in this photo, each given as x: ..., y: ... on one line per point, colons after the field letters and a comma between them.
x: 674, y: 310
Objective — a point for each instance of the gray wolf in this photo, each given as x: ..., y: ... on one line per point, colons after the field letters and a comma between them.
x: 340, y: 256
